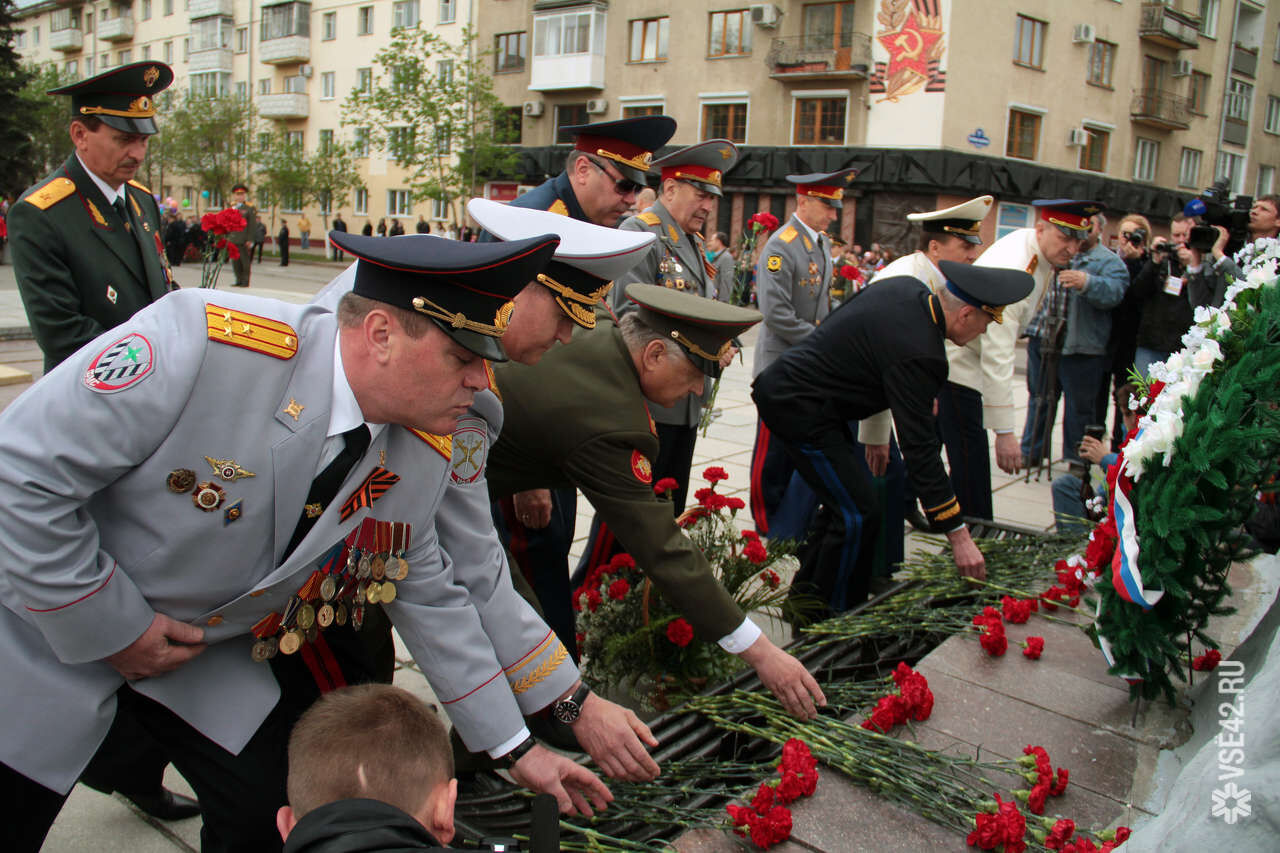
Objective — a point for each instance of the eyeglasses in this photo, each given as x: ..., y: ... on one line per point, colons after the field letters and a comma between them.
x: 622, y: 186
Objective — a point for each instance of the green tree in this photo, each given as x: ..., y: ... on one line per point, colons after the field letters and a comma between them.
x: 333, y: 176
x: 41, y: 142
x: 431, y: 106
x: 211, y: 139
x: 16, y: 169
x: 283, y: 176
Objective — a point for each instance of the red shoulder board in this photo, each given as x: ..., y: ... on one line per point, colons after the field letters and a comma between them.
x: 442, y: 444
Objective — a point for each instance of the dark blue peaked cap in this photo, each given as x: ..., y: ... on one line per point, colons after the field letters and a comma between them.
x: 461, y: 286
x: 988, y: 288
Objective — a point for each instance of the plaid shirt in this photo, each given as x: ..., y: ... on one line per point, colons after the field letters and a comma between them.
x: 1052, y: 307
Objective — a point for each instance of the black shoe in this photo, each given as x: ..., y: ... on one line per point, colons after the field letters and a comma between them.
x: 165, y: 805
x: 916, y: 519
x: 481, y: 784
x: 238, y: 284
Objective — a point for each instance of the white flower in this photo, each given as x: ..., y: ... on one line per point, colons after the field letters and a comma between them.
x: 1207, y: 355
x: 1173, y: 364
x: 1203, y: 314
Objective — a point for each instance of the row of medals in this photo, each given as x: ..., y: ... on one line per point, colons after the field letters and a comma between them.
x: 366, y: 578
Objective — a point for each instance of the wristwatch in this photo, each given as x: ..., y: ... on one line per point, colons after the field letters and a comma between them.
x: 568, y: 710
x: 522, y: 749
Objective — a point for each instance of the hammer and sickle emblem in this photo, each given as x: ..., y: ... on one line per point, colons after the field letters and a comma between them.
x: 909, y: 37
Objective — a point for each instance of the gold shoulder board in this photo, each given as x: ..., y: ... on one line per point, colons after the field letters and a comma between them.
x: 442, y: 444
x: 51, y: 193
x: 249, y: 331
x: 493, y: 380
x: 1035, y: 262
x: 788, y: 234
x: 558, y: 206
x: 648, y: 217
x: 140, y: 186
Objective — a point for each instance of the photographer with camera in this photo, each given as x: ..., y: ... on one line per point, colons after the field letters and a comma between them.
x: 1209, y: 268
x: 1160, y: 292
x: 1131, y: 246
x: 1264, y: 217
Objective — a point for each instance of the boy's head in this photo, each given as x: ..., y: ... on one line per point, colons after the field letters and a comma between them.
x: 1124, y: 394
x: 374, y: 742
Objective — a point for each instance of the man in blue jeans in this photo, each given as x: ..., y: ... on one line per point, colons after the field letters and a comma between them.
x: 1082, y: 295
x: 1070, y: 490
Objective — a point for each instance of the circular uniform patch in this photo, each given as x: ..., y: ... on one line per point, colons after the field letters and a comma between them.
x: 125, y: 363
x: 774, y: 263
x: 640, y: 467
x: 470, y: 446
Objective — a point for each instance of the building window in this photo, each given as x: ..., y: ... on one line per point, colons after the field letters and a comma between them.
x: 448, y: 12
x: 819, y: 121
x: 72, y: 67
x: 1239, y: 97
x: 168, y: 7
x: 1199, y: 93
x: 1024, y: 135
x: 398, y: 203
x: 567, y: 115
x: 439, y: 209
x: 649, y: 39
x: 63, y: 19
x: 510, y: 50
x: 1028, y: 42
x: 168, y: 52
x: 1102, y: 59
x: 827, y: 26
x: 19, y: 39
x: 1093, y: 156
x: 242, y: 89
x: 88, y: 66
x: 404, y: 13
x: 211, y: 33
x: 124, y: 57
x: 1232, y: 167
x: 400, y: 142
x: 330, y: 26
x: 444, y: 72
x: 325, y: 142
x: 211, y: 83
x: 242, y: 39
x: 1266, y: 181
x: 286, y: 19
x: 35, y: 36
x: 328, y: 85
x: 360, y: 141
x: 725, y: 121
x: 443, y: 141
x: 563, y: 35
x: 364, y: 81
x: 1146, y: 159
x: 637, y: 110
x: 364, y: 20
x: 1011, y: 217
x: 362, y: 202
x: 88, y: 22
x: 264, y: 86
x: 1273, y: 115
x: 105, y: 61
x: 1209, y: 18
x: 730, y: 33
x: 146, y: 10
x: 186, y: 49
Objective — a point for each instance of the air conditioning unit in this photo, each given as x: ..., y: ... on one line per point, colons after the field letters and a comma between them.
x: 1077, y: 137
x: 305, y: 71
x: 533, y: 108
x: 597, y: 106
x: 765, y: 15
x: 1183, y: 68
x: 1084, y: 34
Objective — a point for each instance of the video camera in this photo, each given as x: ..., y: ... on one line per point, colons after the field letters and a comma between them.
x: 1212, y: 206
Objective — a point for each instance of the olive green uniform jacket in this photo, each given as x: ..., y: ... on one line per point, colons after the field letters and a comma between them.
x: 79, y: 270
x: 579, y: 418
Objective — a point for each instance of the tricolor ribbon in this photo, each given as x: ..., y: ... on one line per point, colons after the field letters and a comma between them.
x: 1125, y: 576
x: 373, y: 487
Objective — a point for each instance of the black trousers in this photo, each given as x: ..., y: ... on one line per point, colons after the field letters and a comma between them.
x: 960, y: 423
x: 542, y: 558
x: 771, y: 470
x: 129, y: 760
x: 239, y: 794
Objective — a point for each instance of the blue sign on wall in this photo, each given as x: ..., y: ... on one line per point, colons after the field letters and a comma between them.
x: 979, y: 139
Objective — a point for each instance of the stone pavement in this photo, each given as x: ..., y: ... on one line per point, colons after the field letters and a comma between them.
x: 997, y: 704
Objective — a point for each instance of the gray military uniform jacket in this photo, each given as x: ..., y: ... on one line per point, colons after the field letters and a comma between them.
x: 93, y: 543
x: 675, y: 260
x: 793, y: 283
x: 724, y: 279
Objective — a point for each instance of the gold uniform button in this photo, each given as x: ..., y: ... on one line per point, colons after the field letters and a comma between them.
x: 214, y: 621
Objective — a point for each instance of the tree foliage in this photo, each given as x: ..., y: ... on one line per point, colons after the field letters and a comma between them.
x: 282, y: 176
x: 17, y: 170
x: 432, y: 109
x: 41, y: 138
x: 210, y: 138
x: 332, y: 175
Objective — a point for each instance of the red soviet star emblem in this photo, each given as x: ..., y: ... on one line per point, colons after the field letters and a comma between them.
x: 909, y: 47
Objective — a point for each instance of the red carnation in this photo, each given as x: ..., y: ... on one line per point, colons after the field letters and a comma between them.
x: 680, y: 632
x: 714, y: 474
x: 233, y: 251
x: 772, y: 828
x: 1052, y: 597
x: 751, y: 535
x: 1060, y: 786
x: 850, y: 273
x: 1016, y: 610
x: 755, y: 552
x: 666, y: 484
x: 1033, y: 647
x: 618, y: 589
x: 621, y: 561
x: 593, y: 599
x: 1062, y: 830
x: 890, y: 711
x: 735, y: 504
x: 1035, y: 800
x: 1207, y: 661
x: 763, y: 221
x: 993, y: 639
x: 770, y: 578
x: 763, y: 800
x: 797, y: 757
x: 701, y: 495
x: 1122, y: 834
x: 791, y: 787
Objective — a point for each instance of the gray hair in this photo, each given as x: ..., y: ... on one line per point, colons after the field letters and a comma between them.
x: 637, y: 334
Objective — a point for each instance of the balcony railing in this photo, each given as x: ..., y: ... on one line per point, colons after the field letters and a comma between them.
x: 218, y: 59
x: 1161, y: 109
x: 284, y: 105
x: 1169, y: 27
x: 286, y: 50
x: 206, y: 8
x: 1244, y: 61
x: 819, y: 57
x: 119, y: 28
x: 70, y: 39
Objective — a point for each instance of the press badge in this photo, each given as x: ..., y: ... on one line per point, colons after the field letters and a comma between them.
x: 1173, y: 285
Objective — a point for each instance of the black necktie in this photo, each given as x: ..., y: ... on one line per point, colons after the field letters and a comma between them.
x: 325, y: 486
x: 124, y: 213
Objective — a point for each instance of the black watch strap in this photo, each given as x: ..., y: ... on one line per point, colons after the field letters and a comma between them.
x: 522, y: 749
x: 567, y: 710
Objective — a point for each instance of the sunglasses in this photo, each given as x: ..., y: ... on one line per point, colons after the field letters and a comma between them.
x: 623, y: 186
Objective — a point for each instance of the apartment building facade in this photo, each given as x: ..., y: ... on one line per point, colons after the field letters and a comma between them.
x: 297, y: 61
x: 1139, y: 104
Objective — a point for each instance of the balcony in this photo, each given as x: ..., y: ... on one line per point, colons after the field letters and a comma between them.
x: 217, y: 59
x: 1163, y: 110
x: 206, y: 8
x: 1169, y: 27
x: 285, y: 51
x: 574, y: 71
x: 119, y: 28
x: 284, y: 106
x: 1244, y: 61
x: 823, y: 57
x: 68, y: 40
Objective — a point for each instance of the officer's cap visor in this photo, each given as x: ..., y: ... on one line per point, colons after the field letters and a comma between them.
x: 145, y: 126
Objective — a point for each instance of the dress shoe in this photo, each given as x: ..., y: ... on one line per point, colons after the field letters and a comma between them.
x: 165, y: 804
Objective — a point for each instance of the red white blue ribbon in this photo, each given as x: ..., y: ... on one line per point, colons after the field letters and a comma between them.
x: 1125, y: 575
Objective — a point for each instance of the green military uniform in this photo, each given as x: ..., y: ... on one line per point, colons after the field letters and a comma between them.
x: 590, y: 428
x: 82, y: 265
x: 243, y: 240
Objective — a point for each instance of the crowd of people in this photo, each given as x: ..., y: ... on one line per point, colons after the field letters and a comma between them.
x: 405, y: 452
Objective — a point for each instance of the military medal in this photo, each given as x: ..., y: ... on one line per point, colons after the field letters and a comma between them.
x: 228, y: 469
x: 357, y: 618
x: 290, y: 642
x: 360, y: 596
x: 328, y: 588
x: 373, y: 593
x: 273, y: 647
x: 340, y: 614
x: 312, y: 634
x: 313, y: 510
x: 400, y: 541
x: 306, y: 616
x: 324, y: 616
x: 232, y: 513
x: 387, y: 592
x: 208, y: 496
x: 266, y: 646
x: 180, y: 480
x: 259, y: 651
